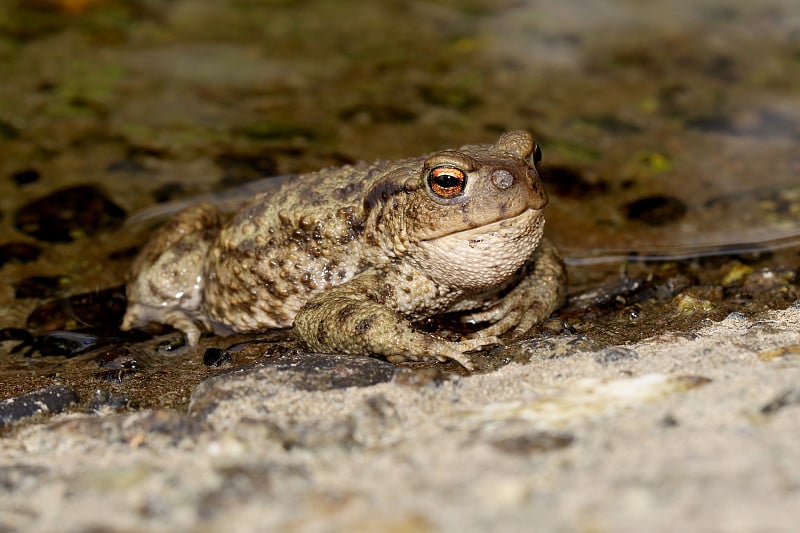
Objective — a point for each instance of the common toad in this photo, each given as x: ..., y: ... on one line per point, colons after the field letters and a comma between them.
x: 353, y: 256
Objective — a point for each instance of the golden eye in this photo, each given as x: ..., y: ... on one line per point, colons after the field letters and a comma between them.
x: 446, y: 181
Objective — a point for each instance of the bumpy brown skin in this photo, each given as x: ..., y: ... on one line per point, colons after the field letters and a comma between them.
x: 352, y: 256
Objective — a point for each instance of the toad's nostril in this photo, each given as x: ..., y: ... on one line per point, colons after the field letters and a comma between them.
x: 502, y: 179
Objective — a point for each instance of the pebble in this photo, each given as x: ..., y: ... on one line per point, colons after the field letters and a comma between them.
x: 48, y: 400
x: 104, y: 400
x: 290, y: 369
x: 615, y: 354
x: 216, y: 357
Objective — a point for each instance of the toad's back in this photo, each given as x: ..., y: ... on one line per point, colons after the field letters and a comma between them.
x: 286, y: 245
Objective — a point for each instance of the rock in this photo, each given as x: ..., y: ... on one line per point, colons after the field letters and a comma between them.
x: 290, y: 370
x: 316, y: 372
x: 48, y: 400
x: 156, y: 428
x: 559, y: 346
x: 16, y: 334
x: 72, y: 343
x: 615, y: 354
x: 216, y: 357
x: 104, y: 400
x: 121, y: 361
x: 17, y: 476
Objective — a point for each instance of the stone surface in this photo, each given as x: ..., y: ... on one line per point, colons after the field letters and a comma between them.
x: 44, y: 401
x: 689, y: 435
x: 290, y: 370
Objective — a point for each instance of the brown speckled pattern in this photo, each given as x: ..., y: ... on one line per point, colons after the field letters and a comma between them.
x: 352, y: 255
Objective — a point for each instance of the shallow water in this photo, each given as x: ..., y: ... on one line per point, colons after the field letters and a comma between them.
x: 667, y: 130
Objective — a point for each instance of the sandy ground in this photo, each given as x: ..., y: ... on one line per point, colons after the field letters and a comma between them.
x: 671, y: 434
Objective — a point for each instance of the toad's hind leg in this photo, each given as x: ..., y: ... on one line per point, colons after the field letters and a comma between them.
x: 166, y: 280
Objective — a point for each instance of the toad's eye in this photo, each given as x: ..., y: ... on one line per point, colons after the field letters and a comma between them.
x: 535, y: 156
x: 446, y: 181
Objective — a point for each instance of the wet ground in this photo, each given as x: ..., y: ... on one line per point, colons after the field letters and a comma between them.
x: 670, y: 136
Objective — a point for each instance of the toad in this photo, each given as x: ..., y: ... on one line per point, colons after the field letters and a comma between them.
x: 354, y: 257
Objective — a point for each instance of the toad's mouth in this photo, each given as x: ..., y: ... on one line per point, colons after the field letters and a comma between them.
x: 520, y: 224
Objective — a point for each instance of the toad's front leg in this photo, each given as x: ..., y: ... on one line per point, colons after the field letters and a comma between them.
x: 541, y: 291
x: 354, y: 318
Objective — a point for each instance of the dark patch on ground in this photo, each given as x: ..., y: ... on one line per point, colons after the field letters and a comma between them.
x: 70, y: 213
x: 97, y: 309
x: 533, y: 442
x: 570, y: 183
x: 239, y: 168
x: 656, y: 210
x: 25, y: 176
x: 41, y: 287
x: 19, y: 252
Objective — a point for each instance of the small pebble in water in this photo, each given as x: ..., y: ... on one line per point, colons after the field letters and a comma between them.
x: 172, y: 344
x: 105, y: 400
x: 216, y: 357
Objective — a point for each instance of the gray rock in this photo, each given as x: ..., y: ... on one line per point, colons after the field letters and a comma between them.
x: 48, y: 400
x: 615, y: 354
x: 290, y: 369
